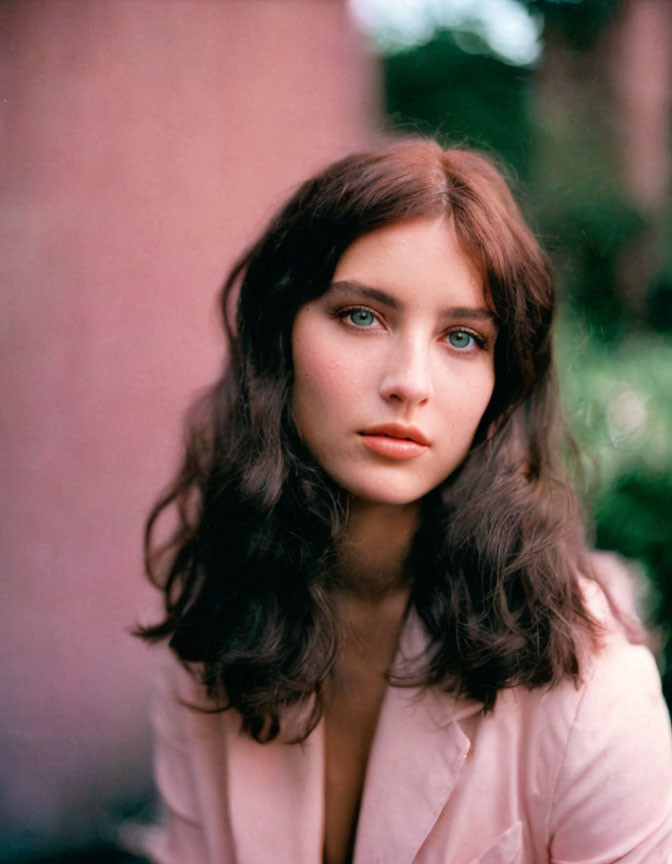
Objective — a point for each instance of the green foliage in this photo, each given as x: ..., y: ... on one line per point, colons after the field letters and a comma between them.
x: 595, y: 231
x: 618, y: 400
x: 659, y: 298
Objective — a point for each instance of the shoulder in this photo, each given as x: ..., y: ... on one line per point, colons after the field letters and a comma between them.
x: 174, y: 688
x: 184, y: 719
x: 615, y: 595
x: 594, y: 757
x: 612, y: 790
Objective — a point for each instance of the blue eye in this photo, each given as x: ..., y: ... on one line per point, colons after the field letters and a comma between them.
x: 361, y: 317
x: 460, y: 339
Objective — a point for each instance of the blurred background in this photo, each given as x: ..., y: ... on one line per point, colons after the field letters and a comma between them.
x: 142, y: 145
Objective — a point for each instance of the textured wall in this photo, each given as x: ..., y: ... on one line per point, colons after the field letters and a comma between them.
x: 142, y: 143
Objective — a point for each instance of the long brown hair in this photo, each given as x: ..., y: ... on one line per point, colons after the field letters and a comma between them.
x: 495, y: 563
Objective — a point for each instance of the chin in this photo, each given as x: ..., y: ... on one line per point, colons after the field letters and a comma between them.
x: 385, y: 493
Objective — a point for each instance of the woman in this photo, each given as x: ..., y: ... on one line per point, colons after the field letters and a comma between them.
x: 394, y: 645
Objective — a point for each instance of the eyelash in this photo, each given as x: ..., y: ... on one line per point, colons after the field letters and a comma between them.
x: 479, y: 340
x: 343, y: 314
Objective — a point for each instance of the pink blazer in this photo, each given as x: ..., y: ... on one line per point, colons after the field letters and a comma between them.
x: 572, y: 774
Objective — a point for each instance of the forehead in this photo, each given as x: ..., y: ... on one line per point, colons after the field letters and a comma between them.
x: 418, y: 261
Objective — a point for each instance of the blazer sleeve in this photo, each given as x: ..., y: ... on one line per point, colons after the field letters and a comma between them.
x: 613, y: 795
x: 180, y: 837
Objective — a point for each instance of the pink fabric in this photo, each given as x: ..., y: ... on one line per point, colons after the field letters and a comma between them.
x: 572, y: 774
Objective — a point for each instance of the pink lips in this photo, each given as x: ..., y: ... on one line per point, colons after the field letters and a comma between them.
x: 395, y: 441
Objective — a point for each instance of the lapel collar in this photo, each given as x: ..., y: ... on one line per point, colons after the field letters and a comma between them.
x: 416, y: 757
x: 275, y: 791
x: 276, y: 799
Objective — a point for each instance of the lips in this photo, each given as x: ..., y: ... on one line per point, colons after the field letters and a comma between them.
x: 399, y: 431
x: 395, y: 441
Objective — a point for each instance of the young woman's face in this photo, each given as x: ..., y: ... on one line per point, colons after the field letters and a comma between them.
x: 394, y: 364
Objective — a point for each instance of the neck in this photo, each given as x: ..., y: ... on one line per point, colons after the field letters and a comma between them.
x: 374, y: 547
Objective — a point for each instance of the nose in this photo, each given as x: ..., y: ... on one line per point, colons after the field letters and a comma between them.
x: 407, y: 377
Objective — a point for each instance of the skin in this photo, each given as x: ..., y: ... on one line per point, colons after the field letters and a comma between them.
x: 403, y: 335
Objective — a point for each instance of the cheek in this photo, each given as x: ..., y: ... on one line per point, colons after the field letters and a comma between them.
x: 465, y: 398
x: 322, y: 381
x: 482, y: 393
x: 483, y: 389
x: 314, y: 393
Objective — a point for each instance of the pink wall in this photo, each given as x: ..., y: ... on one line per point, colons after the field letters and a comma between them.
x: 142, y: 143
x: 641, y: 74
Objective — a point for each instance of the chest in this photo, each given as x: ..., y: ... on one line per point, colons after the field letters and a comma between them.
x: 354, y: 702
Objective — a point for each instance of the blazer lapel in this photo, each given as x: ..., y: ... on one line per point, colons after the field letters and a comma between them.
x: 275, y: 791
x: 416, y: 757
x: 276, y: 799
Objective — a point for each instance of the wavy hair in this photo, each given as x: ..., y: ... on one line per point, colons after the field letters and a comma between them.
x: 247, y: 570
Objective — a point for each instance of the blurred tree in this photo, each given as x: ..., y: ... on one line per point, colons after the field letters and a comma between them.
x: 576, y: 189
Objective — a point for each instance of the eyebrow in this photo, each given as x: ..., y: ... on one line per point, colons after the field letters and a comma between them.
x: 478, y: 312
